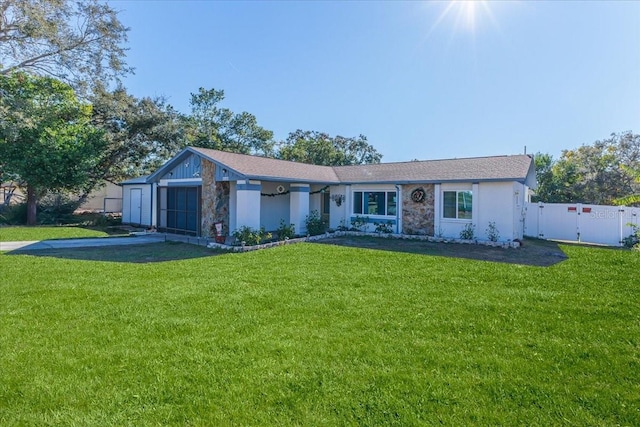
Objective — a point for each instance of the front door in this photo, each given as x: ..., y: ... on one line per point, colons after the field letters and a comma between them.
x: 135, y: 206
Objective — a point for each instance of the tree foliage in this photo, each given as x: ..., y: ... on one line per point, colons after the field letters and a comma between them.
x: 46, y: 138
x: 141, y: 134
x: 210, y: 126
x: 319, y: 148
x: 601, y: 173
x: 77, y: 42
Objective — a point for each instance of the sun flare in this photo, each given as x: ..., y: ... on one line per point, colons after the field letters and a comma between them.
x: 466, y: 14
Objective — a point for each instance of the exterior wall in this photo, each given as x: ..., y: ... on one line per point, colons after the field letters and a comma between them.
x: 129, y: 213
x: 520, y: 195
x: 495, y: 201
x: 274, y: 207
x: 215, y: 201
x: 96, y: 199
x: 315, y: 200
x: 248, y: 204
x: 338, y: 214
x: 418, y: 217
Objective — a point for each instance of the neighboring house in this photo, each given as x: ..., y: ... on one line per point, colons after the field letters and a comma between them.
x: 199, y: 187
x: 107, y: 198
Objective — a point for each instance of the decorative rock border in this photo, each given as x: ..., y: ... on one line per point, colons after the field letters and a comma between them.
x: 432, y: 239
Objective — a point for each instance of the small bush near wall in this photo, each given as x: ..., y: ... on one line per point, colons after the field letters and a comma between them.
x: 250, y: 237
x: 285, y: 231
x: 383, y: 227
x: 314, y: 223
x: 359, y: 223
x: 468, y: 232
x: 492, y: 232
x: 633, y: 240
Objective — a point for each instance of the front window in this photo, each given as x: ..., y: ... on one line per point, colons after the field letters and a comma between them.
x: 375, y: 203
x: 457, y: 204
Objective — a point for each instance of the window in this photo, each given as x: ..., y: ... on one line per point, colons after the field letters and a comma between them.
x: 375, y: 203
x: 457, y: 204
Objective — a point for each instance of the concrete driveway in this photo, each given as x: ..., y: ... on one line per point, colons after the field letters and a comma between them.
x: 81, y: 243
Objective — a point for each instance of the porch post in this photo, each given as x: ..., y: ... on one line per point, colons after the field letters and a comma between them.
x: 299, y: 206
x: 248, y: 204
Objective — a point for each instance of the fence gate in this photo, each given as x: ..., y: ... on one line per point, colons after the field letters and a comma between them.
x: 601, y: 224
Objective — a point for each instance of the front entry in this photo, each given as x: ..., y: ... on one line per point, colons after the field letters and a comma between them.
x: 179, y: 210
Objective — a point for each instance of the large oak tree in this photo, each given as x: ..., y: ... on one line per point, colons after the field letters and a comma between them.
x: 46, y: 137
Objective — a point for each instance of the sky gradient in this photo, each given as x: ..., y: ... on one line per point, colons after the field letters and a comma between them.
x: 422, y: 80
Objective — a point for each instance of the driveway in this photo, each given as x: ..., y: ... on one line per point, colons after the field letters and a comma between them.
x: 81, y: 243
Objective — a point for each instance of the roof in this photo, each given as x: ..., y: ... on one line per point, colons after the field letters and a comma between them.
x: 497, y: 168
x: 138, y: 180
x: 256, y: 167
x: 519, y: 168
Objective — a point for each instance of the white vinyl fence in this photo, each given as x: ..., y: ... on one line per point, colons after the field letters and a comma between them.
x: 606, y: 225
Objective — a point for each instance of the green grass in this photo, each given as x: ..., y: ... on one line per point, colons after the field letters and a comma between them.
x: 19, y: 233
x: 314, y: 334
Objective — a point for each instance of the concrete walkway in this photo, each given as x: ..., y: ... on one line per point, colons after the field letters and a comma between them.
x: 82, y: 243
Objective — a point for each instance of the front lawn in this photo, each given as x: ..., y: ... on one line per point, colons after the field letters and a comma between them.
x: 20, y: 233
x: 312, y: 334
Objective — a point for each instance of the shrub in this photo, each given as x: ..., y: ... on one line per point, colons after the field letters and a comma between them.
x: 468, y: 232
x: 383, y: 227
x: 359, y: 222
x: 492, y: 232
x: 285, y: 231
x: 250, y: 237
x: 633, y: 240
x: 314, y: 223
x: 14, y: 214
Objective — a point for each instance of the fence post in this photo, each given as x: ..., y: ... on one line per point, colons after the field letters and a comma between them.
x: 540, y: 220
x: 578, y: 216
x: 621, y: 224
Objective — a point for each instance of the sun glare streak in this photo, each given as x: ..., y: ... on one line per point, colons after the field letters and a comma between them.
x: 466, y: 15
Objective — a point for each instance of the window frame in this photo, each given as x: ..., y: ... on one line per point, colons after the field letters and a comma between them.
x: 456, y: 207
x: 363, y: 197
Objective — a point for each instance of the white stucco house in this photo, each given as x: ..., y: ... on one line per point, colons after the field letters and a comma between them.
x: 199, y: 187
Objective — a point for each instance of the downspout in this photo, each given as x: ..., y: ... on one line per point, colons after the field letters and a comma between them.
x: 151, y: 208
x: 398, y: 209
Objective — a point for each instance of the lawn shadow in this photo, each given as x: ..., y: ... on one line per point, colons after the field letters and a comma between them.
x: 534, y: 252
x: 143, y: 253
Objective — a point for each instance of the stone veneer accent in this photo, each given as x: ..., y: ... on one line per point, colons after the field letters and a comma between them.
x: 418, y: 218
x: 215, y: 200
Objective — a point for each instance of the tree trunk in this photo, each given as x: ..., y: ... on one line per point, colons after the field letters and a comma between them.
x: 31, y: 205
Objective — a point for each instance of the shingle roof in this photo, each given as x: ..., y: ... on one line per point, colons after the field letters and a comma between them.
x: 138, y: 180
x: 257, y: 167
x: 496, y: 168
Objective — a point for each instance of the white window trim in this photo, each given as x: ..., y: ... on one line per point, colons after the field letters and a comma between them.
x: 456, y: 219
x: 386, y: 207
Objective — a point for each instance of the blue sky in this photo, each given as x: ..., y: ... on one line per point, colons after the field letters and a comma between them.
x: 421, y: 80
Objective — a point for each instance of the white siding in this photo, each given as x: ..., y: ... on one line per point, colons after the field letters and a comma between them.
x: 496, y: 204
